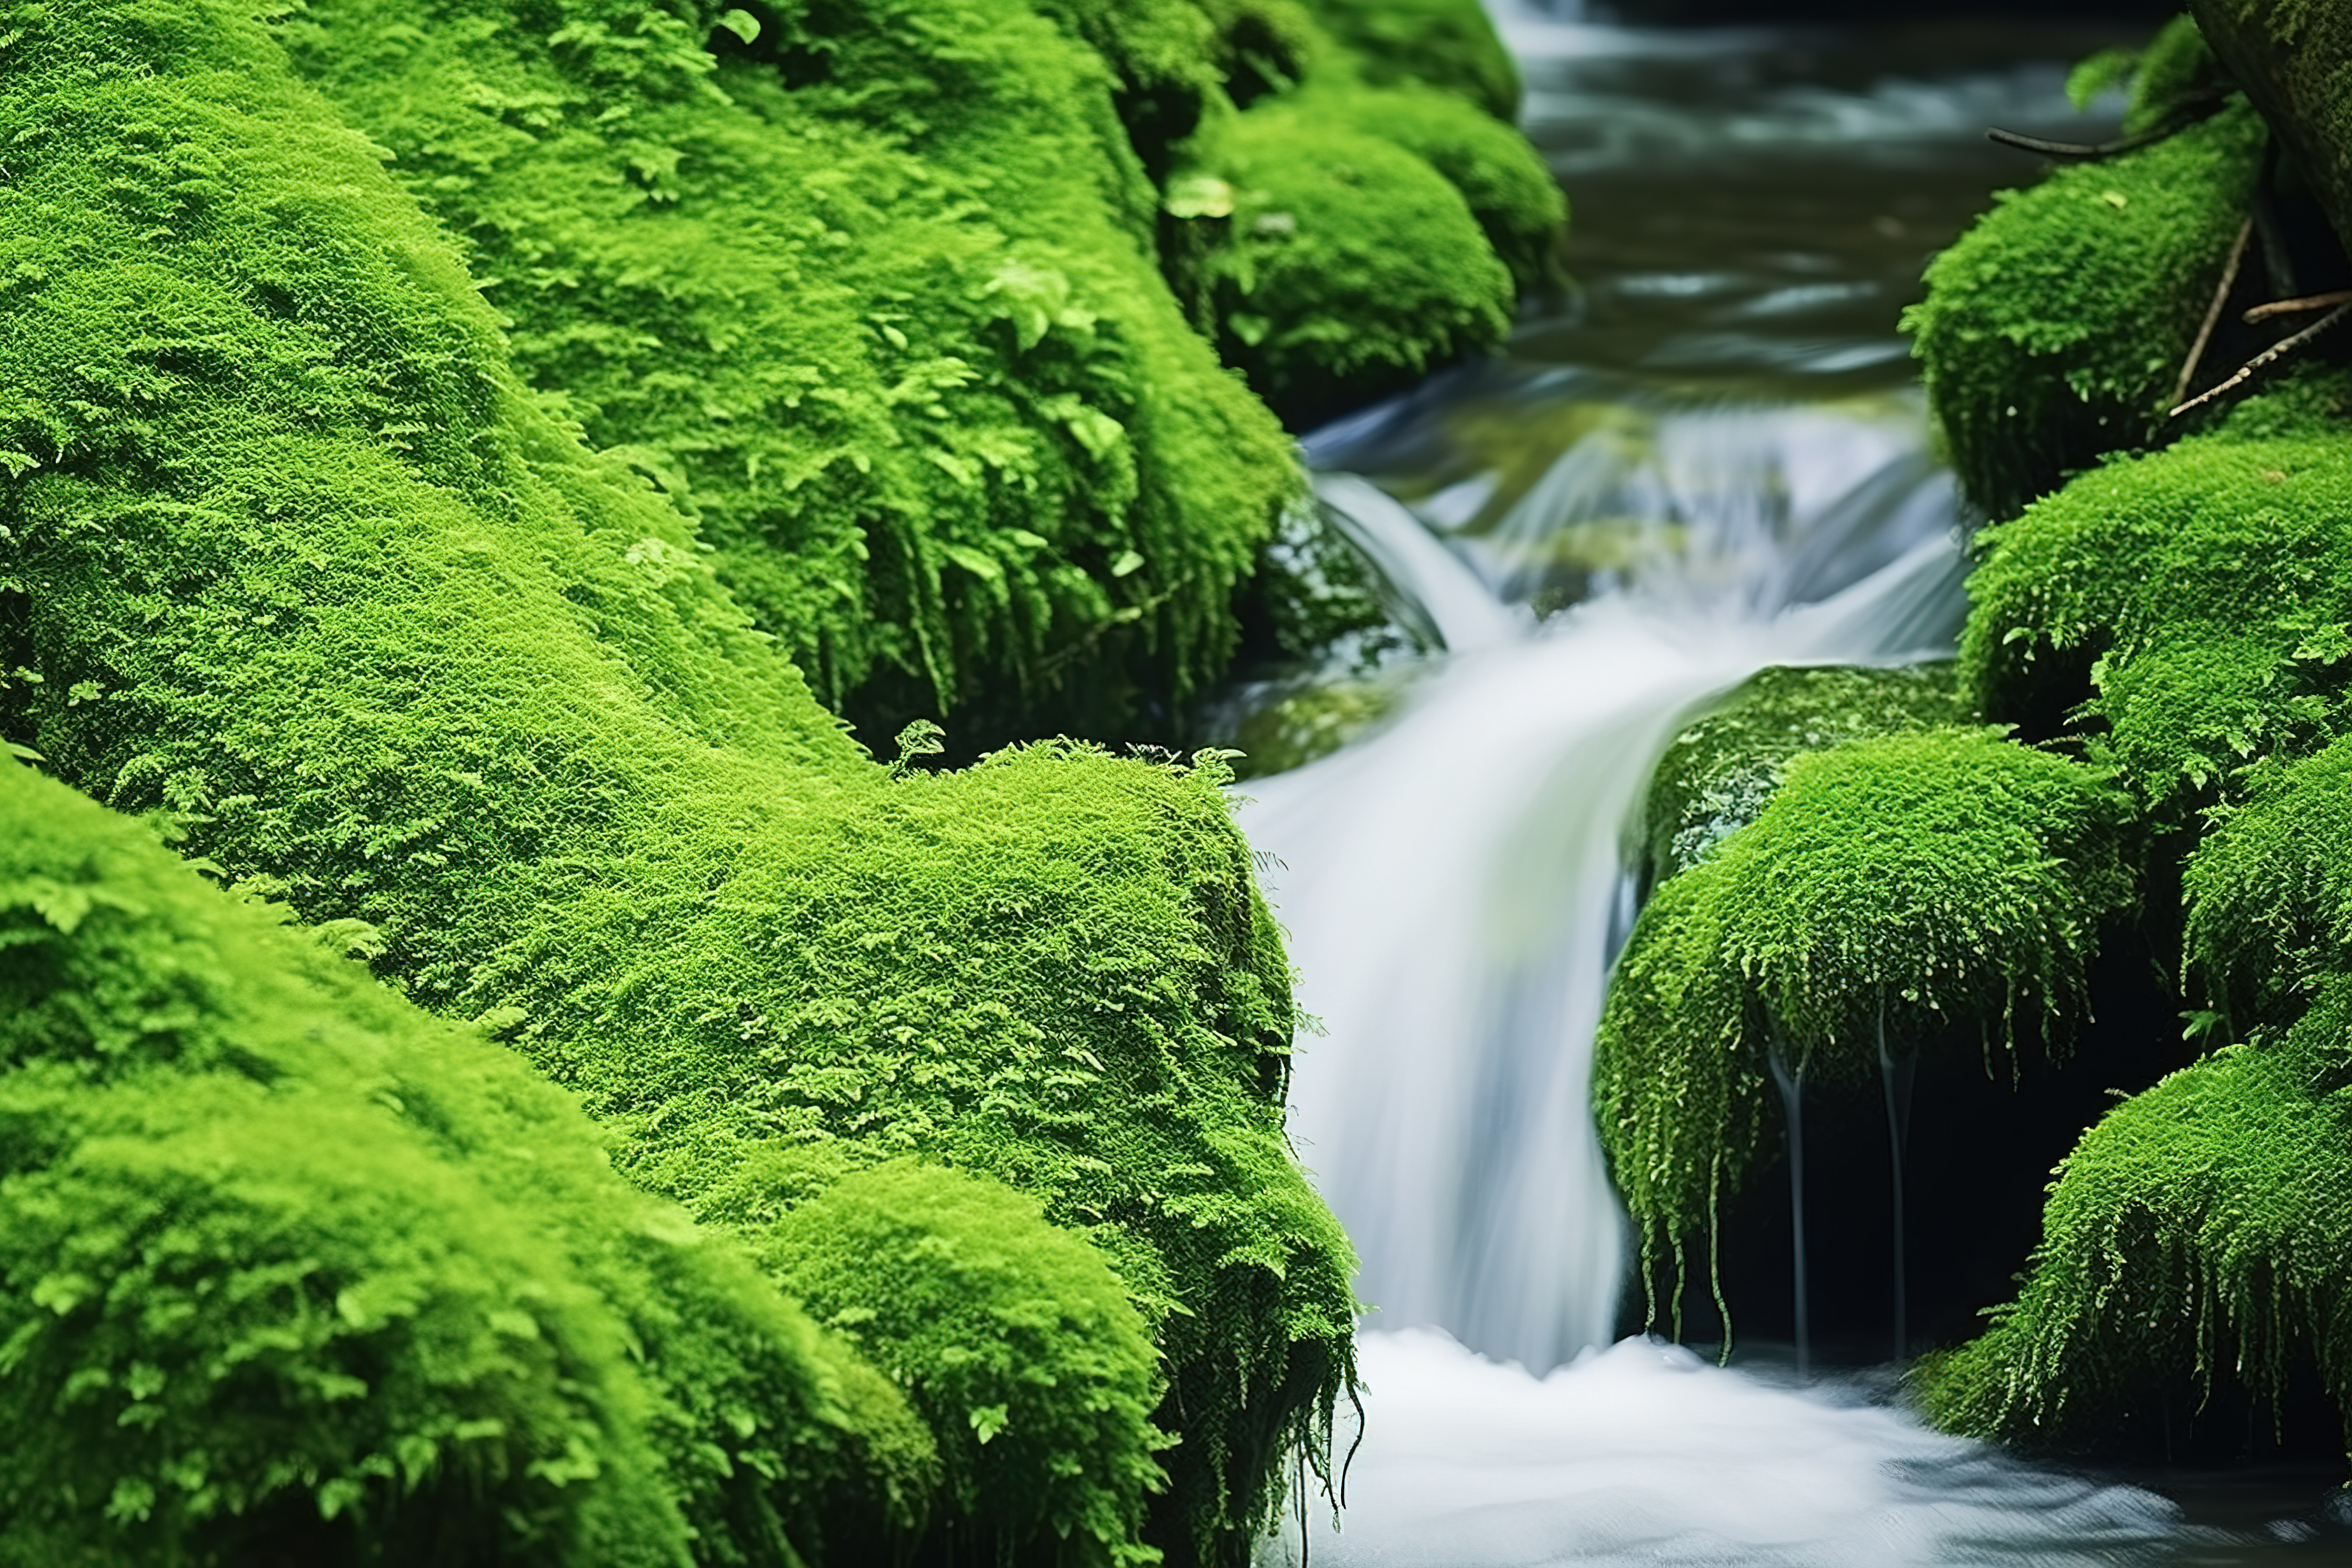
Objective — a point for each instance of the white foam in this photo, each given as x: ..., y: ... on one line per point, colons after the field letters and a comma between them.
x: 1646, y: 1454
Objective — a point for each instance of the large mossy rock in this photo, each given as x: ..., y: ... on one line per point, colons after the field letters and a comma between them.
x: 1888, y: 887
x: 875, y: 293
x: 2188, y: 607
x: 2054, y: 331
x: 2194, y: 1241
x: 2195, y: 1236
x: 292, y: 1271
x: 290, y: 550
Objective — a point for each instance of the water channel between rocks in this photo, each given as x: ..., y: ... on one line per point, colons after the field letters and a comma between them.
x: 1710, y: 461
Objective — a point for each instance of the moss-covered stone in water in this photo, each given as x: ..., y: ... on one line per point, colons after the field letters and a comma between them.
x: 1520, y: 208
x: 289, y: 550
x: 2208, y: 586
x: 2055, y: 329
x: 1448, y: 44
x: 2197, y: 1235
x: 1902, y: 884
x: 291, y: 1270
x: 1720, y: 770
x: 1344, y: 266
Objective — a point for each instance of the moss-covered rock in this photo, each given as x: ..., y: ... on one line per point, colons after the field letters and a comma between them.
x: 2195, y: 1238
x: 1448, y: 44
x: 1720, y: 770
x: 1889, y: 888
x: 1333, y: 264
x: 2206, y: 590
x: 872, y: 292
x: 2055, y: 329
x: 1012, y: 1335
x: 288, y: 549
x: 291, y: 1270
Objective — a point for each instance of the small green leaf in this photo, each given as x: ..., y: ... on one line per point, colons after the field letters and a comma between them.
x: 1129, y: 563
x: 1251, y: 329
x: 1198, y: 195
x: 988, y: 1420
x: 2106, y: 69
x: 742, y: 23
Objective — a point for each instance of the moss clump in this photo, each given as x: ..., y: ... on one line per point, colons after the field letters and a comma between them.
x: 2208, y: 589
x: 1519, y: 207
x: 1890, y: 888
x: 1721, y: 771
x: 1447, y: 44
x: 2269, y: 890
x: 1013, y: 1336
x: 291, y: 1270
x: 290, y: 550
x: 2054, y: 331
x: 2197, y: 1233
x: 872, y: 292
x: 1333, y: 266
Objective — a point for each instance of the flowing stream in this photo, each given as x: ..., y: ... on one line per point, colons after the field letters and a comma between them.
x: 1710, y: 461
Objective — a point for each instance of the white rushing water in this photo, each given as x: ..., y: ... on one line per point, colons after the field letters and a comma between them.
x: 1453, y: 888
x: 1452, y: 885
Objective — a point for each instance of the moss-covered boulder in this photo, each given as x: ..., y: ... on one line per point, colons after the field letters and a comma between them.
x: 291, y: 1270
x: 288, y: 549
x: 1719, y: 773
x: 873, y: 293
x: 2191, y: 607
x: 2194, y: 1241
x: 1339, y: 267
x: 1449, y: 44
x: 2054, y: 331
x: 1889, y: 888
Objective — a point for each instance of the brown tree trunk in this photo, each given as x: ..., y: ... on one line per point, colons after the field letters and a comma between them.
x: 2293, y: 57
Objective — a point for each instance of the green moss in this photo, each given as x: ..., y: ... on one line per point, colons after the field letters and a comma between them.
x: 1333, y: 266
x: 1720, y: 770
x: 1012, y: 1335
x: 293, y: 1270
x: 1447, y: 44
x: 2174, y: 72
x: 2196, y: 1236
x: 2270, y: 902
x: 1897, y: 885
x: 2207, y: 588
x: 875, y: 298
x: 1519, y: 206
x: 2055, y: 329
x: 290, y: 550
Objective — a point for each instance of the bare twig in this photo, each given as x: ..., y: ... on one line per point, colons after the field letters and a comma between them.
x: 2271, y: 355
x: 2261, y: 313
x: 2213, y: 312
x: 2086, y: 152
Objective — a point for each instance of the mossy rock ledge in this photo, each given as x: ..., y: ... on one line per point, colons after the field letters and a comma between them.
x: 2155, y: 682
x: 879, y: 294
x: 298, y: 559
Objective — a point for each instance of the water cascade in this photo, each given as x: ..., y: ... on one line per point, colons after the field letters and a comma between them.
x: 1714, y: 463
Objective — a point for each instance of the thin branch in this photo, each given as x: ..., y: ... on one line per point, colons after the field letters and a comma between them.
x: 2213, y: 312
x: 2271, y: 355
x: 2298, y: 306
x: 2085, y: 152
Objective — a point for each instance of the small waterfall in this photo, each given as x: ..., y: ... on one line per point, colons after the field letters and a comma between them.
x: 1454, y: 887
